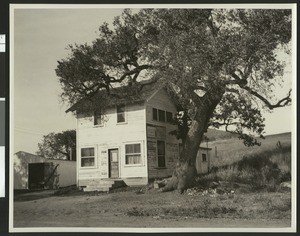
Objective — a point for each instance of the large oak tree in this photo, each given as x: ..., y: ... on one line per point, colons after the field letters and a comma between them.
x: 223, y: 65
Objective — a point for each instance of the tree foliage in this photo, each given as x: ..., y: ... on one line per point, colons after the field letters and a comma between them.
x: 58, y: 145
x: 231, y: 53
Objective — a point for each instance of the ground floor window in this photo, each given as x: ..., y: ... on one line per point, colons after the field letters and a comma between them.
x: 161, y: 153
x: 133, y: 154
x: 87, y: 157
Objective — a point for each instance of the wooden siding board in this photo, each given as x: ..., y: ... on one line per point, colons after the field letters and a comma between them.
x: 113, y: 135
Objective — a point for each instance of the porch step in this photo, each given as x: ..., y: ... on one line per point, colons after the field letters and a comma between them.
x: 104, y: 185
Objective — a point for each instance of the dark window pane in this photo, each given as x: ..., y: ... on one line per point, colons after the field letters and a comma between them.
x: 121, y: 117
x: 87, y: 161
x: 120, y: 113
x: 120, y: 108
x: 161, y: 153
x: 204, y: 157
x: 154, y: 114
x: 169, y: 116
x: 97, y: 118
x: 87, y: 152
x: 161, y: 115
x: 132, y: 148
x: 137, y: 148
x: 128, y: 148
x: 160, y: 147
x: 161, y: 161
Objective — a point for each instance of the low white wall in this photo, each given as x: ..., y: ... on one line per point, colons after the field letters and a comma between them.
x: 66, y: 171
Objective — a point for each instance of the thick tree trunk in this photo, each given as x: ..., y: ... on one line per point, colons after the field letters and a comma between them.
x: 185, y: 170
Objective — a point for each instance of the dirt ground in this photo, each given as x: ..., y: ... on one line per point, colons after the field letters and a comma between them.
x: 151, y: 209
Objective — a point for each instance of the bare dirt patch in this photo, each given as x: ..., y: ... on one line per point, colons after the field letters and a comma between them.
x: 154, y: 209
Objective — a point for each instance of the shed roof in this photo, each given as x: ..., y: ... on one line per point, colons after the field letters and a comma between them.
x: 28, y: 155
x: 131, y: 94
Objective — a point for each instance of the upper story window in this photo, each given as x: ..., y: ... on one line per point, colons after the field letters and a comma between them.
x: 87, y: 157
x: 154, y: 113
x: 120, y: 113
x: 97, y: 118
x: 161, y: 115
x: 169, y: 116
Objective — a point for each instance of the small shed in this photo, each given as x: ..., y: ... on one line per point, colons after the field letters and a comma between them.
x: 203, y: 160
x: 36, y: 172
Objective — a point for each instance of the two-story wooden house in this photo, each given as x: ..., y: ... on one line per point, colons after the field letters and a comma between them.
x: 131, y: 143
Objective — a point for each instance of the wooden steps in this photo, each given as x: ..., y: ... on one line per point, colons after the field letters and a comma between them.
x: 104, y: 185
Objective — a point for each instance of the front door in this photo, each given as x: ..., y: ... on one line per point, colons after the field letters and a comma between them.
x: 113, y: 163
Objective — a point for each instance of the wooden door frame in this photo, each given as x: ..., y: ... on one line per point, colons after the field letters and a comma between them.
x: 109, y: 167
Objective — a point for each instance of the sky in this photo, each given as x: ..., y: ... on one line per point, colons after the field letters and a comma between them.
x: 40, y: 40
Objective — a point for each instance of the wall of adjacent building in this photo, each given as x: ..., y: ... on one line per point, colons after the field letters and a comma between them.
x: 203, y: 166
x: 157, y: 130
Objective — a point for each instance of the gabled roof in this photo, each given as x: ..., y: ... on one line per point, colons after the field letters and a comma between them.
x: 130, y: 94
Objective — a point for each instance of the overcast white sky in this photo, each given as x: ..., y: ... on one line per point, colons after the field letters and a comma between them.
x: 40, y: 39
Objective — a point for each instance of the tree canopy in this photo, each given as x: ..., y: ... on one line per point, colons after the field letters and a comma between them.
x: 58, y: 145
x: 228, y: 54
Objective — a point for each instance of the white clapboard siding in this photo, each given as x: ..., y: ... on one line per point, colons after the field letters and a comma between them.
x: 112, y: 135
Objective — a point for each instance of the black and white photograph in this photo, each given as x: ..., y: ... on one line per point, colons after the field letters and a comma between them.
x: 152, y: 118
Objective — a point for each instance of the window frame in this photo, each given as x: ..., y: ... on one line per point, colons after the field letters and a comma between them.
x: 95, y: 116
x: 125, y: 118
x: 157, y: 155
x: 141, y: 154
x: 95, y: 159
x: 157, y: 115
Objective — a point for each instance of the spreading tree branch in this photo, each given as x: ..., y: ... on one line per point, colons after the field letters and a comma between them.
x: 281, y: 103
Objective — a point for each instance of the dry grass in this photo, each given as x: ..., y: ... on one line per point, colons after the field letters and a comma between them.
x: 232, y: 150
x: 242, y: 206
x: 155, y: 209
x: 263, y: 170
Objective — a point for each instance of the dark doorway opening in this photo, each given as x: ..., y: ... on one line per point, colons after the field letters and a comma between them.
x: 113, y: 155
x: 42, y: 175
x: 36, y: 175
